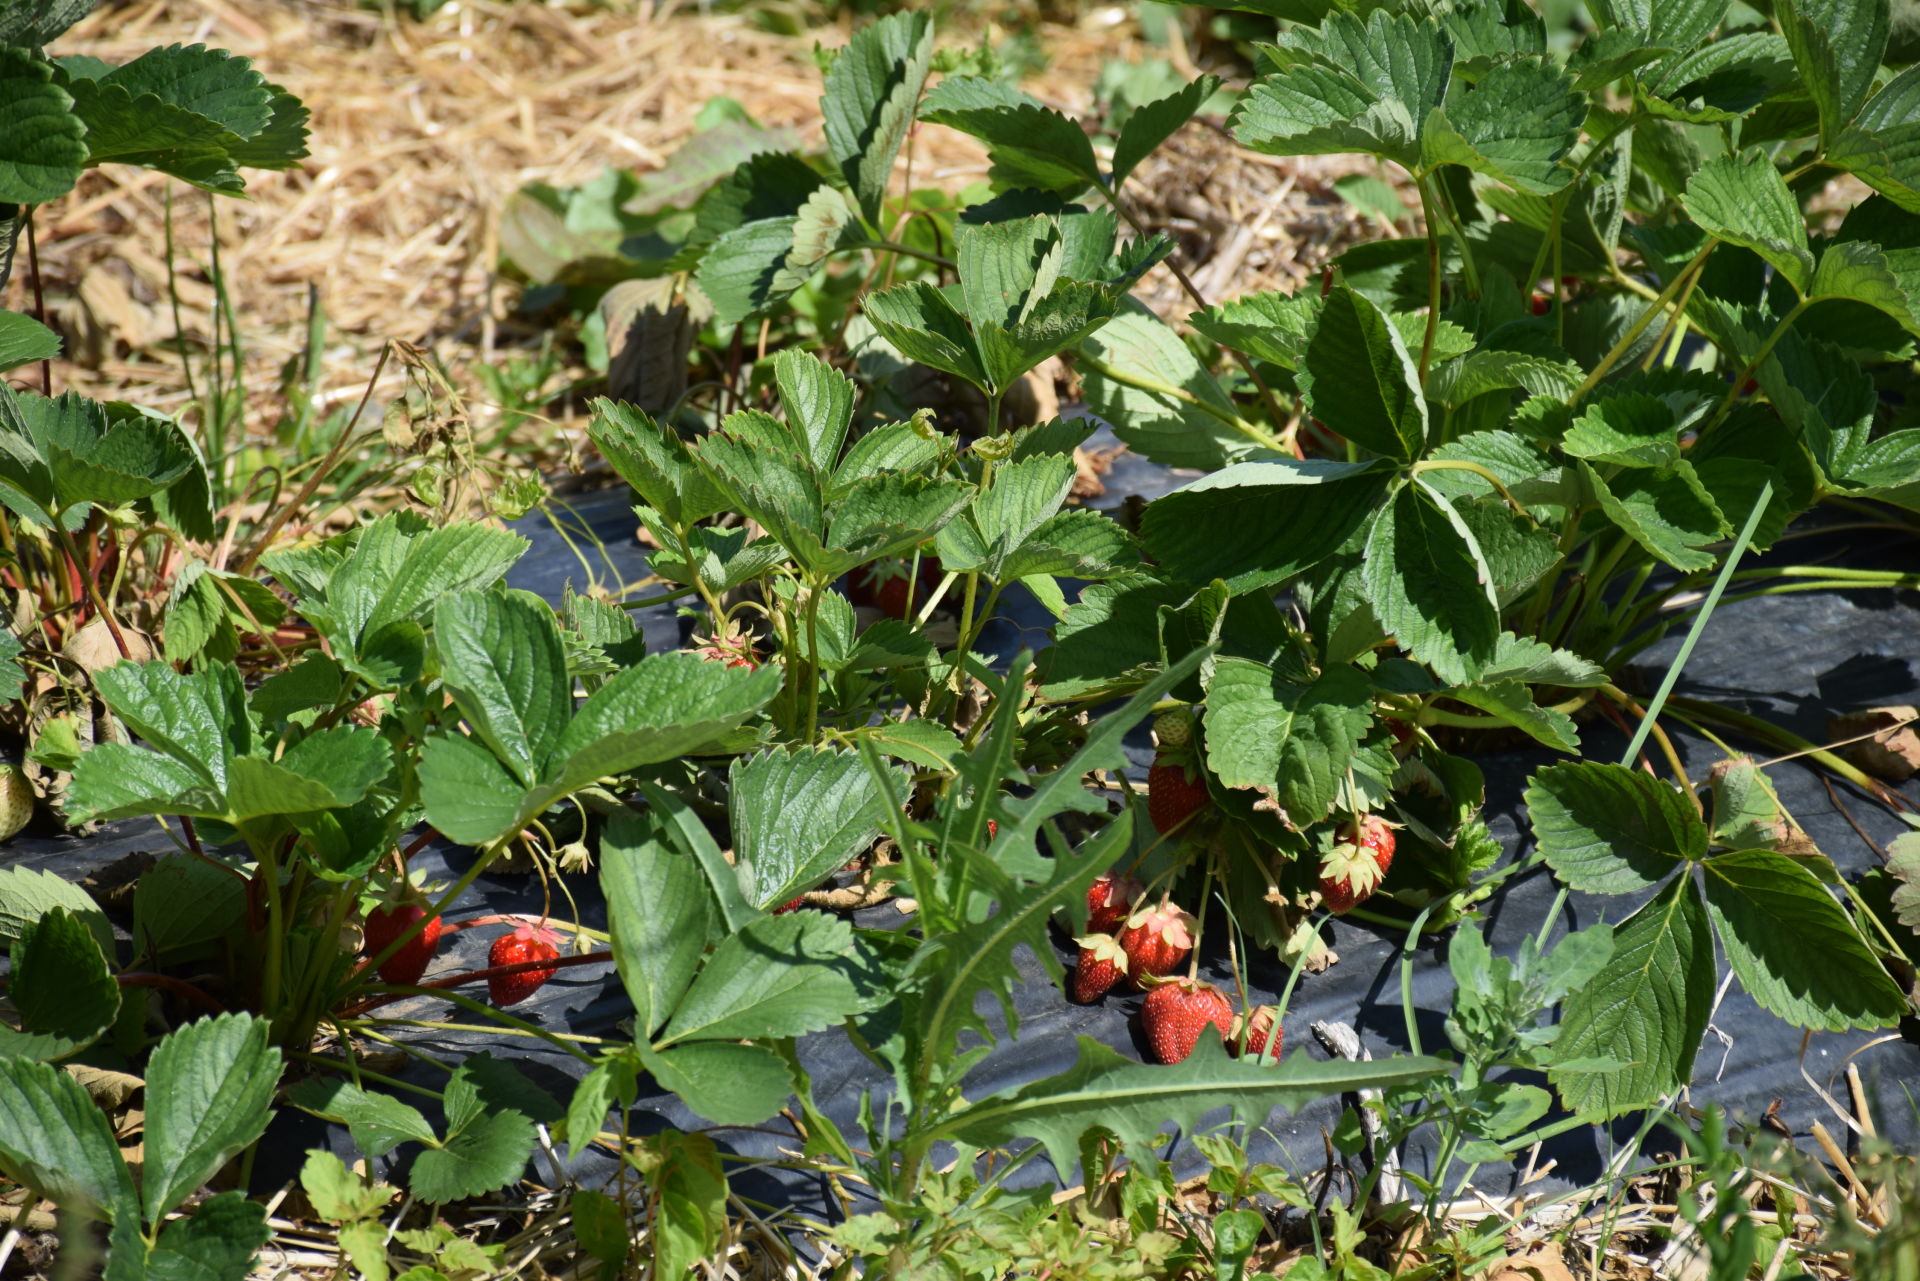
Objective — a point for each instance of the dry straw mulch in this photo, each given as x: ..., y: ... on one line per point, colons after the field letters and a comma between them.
x: 421, y: 130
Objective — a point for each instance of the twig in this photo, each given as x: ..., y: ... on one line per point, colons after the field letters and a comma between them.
x: 1341, y: 1041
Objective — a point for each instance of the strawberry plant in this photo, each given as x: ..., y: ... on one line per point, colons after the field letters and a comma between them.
x: 1453, y: 491
x: 212, y: 1085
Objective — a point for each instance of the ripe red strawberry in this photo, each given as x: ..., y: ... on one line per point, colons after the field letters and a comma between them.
x: 1157, y: 940
x: 1353, y: 869
x: 1102, y: 964
x: 526, y: 943
x: 1110, y: 902
x: 1176, y: 1014
x: 389, y: 922
x: 1542, y: 304
x: 1263, y: 1022
x: 791, y: 905
x: 1175, y: 793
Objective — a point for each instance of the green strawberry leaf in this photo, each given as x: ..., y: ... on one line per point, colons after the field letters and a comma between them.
x: 1268, y: 326
x: 1191, y: 424
x: 872, y: 87
x: 1287, y: 740
x: 1360, y: 380
x: 1256, y: 524
x: 1635, y: 430
x: 1882, y: 145
x: 819, y: 402
x: 665, y: 706
x: 778, y: 976
x: 1518, y: 123
x: 210, y: 1088
x: 1153, y: 123
x: 1509, y: 701
x: 24, y: 340
x: 491, y: 1110
x: 1030, y: 145
x: 1837, y: 46
x: 56, y: 1141
x: 1349, y: 86
x: 655, y: 461
x: 724, y: 1081
x: 1429, y: 584
x: 1607, y: 829
x: 27, y: 894
x: 1743, y: 200
x: 502, y: 659
x: 798, y: 816
x: 1793, y: 947
x: 61, y: 986
x: 33, y: 25
x: 1668, y: 511
x: 1645, y: 1011
x: 220, y: 1241
x: 659, y: 911
x: 42, y: 141
x: 1859, y: 272
x: 379, y: 1123
x: 182, y: 904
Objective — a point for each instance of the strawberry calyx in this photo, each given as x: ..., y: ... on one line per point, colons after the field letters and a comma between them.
x: 541, y: 934
x: 1103, y: 947
x: 730, y: 645
x: 1164, y: 921
x: 1354, y: 866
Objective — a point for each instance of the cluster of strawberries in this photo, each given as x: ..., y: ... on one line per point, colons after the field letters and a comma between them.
x: 1144, y: 947
x: 524, y: 945
x: 1177, y: 799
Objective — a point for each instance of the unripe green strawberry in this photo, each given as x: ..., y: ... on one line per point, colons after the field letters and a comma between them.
x: 1174, y: 728
x: 16, y: 801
